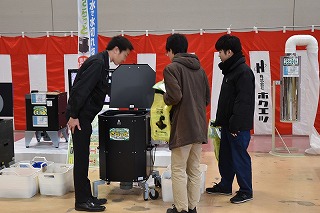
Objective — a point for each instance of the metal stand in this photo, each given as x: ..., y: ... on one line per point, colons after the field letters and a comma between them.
x: 147, y: 191
x: 279, y: 151
x: 54, y: 135
x: 95, y: 185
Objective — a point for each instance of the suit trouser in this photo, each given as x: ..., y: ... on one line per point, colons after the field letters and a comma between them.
x: 81, y: 148
x: 234, y: 160
x: 186, y: 176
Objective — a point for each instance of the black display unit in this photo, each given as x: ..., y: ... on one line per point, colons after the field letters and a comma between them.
x: 6, y: 142
x: 45, y: 111
x: 126, y: 153
x: 6, y: 100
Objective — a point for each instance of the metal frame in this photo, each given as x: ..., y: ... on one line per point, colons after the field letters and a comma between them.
x: 279, y: 151
x: 144, y: 185
x: 147, y: 31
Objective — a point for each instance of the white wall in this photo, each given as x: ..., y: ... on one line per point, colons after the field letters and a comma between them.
x: 61, y: 15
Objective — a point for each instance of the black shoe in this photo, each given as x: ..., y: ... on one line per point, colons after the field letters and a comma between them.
x: 217, y: 189
x: 193, y: 210
x: 241, y: 197
x: 174, y: 210
x: 98, y: 201
x: 89, y: 206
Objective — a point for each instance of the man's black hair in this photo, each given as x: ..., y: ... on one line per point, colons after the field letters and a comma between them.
x: 228, y: 42
x: 121, y: 42
x: 178, y: 43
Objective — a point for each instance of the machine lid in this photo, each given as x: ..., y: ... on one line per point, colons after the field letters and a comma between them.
x: 131, y: 86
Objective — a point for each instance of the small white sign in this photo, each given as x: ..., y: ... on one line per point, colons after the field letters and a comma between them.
x: 49, y: 103
x: 40, y: 121
x: 38, y: 98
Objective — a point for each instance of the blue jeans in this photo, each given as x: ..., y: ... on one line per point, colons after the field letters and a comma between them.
x: 234, y: 160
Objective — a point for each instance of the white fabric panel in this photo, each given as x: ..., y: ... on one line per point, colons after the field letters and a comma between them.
x: 70, y: 62
x: 308, y: 106
x: 216, y: 85
x: 309, y: 93
x: 5, y: 71
x: 37, y: 72
x: 260, y: 65
x: 147, y: 58
x: 314, y: 93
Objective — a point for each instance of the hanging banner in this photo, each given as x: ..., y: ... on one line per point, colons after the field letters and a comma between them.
x: 87, y: 46
x: 260, y: 64
x: 87, y: 29
x: 18, y: 60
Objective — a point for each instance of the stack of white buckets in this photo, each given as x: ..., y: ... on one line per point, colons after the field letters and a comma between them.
x: 166, y: 183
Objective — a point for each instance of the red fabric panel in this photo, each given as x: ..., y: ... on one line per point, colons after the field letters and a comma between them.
x: 55, y: 64
x: 102, y: 42
x: 203, y: 45
x: 20, y: 73
x: 157, y: 44
x: 19, y: 48
x: 55, y: 72
x: 19, y: 65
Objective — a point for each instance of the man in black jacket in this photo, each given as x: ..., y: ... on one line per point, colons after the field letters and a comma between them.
x: 235, y: 113
x: 85, y: 102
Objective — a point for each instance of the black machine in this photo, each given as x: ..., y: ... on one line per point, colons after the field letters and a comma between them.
x: 124, y: 142
x: 6, y: 143
x: 83, y: 44
x: 6, y: 100
x: 126, y: 154
x: 45, y: 112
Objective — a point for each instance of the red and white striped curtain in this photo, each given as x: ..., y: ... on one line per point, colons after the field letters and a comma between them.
x: 42, y: 64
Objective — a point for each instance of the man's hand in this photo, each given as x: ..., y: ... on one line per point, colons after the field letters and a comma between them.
x: 73, y: 123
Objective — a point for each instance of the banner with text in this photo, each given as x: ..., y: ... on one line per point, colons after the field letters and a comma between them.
x: 87, y: 29
x: 260, y: 64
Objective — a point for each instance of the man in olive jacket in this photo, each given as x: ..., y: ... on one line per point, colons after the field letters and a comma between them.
x: 235, y: 116
x: 187, y: 90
